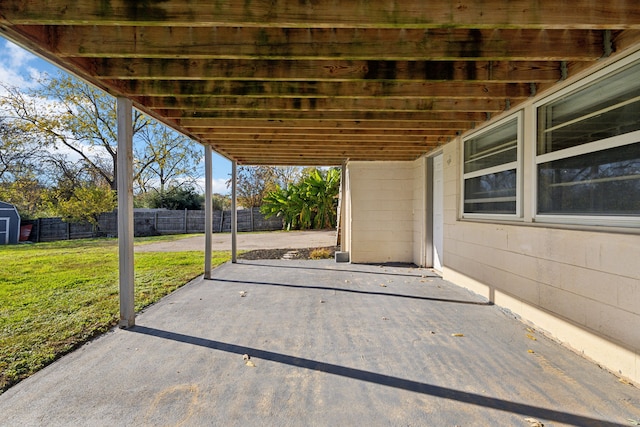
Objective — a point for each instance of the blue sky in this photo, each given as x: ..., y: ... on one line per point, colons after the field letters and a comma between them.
x: 20, y: 68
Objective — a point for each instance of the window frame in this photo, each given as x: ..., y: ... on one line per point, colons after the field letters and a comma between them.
x: 582, y: 149
x: 517, y: 165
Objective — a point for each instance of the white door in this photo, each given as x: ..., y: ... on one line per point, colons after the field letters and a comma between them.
x: 438, y: 212
x: 4, y: 231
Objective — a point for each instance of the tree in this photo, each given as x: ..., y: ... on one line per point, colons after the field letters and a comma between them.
x: 18, y: 154
x: 254, y: 183
x: 71, y: 116
x: 176, y: 198
x: 310, y: 203
x: 220, y: 202
x: 171, y: 157
x: 86, y: 204
x: 26, y: 193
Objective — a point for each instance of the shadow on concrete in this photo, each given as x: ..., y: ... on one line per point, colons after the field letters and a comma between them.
x: 354, y: 291
x: 385, y: 380
x: 344, y: 270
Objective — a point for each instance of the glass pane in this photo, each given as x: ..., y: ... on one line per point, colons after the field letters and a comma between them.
x: 605, y: 182
x: 493, y: 148
x: 492, y: 193
x: 607, y: 108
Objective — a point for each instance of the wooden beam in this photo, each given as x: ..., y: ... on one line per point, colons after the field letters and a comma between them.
x: 594, y: 14
x: 204, y: 104
x: 310, y: 70
x: 440, y: 121
x: 303, y: 43
x: 343, y: 149
x: 314, y: 89
x: 255, y: 133
x: 391, y: 116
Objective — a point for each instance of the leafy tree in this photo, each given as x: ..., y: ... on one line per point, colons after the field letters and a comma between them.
x: 18, y: 153
x: 69, y: 115
x: 85, y: 204
x: 176, y: 198
x: 171, y: 158
x: 221, y: 202
x: 254, y: 183
x: 310, y: 203
x: 26, y: 193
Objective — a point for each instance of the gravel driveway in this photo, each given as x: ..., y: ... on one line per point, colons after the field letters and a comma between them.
x: 248, y: 241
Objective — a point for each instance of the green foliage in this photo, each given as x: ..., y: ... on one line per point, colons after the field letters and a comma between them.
x: 310, y: 203
x: 53, y: 298
x: 221, y: 202
x: 85, y: 204
x: 65, y: 115
x: 176, y: 198
x: 27, y: 194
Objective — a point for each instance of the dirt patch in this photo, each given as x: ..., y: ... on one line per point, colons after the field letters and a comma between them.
x: 297, y: 253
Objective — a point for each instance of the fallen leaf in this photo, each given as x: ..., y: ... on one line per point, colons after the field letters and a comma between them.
x: 250, y: 364
x: 530, y: 351
x: 531, y: 337
x: 623, y: 381
x: 633, y: 422
x: 383, y: 285
x: 243, y: 293
x: 530, y: 330
x: 533, y: 422
x: 457, y: 335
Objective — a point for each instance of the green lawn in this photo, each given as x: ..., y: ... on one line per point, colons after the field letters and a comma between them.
x: 55, y: 296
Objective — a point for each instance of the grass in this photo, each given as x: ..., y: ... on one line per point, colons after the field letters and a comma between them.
x: 55, y: 296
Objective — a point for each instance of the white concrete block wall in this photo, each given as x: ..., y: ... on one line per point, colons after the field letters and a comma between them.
x: 381, y: 203
x: 580, y: 286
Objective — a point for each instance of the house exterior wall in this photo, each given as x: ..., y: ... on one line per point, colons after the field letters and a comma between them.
x: 380, y: 203
x: 582, y: 287
x: 578, y: 283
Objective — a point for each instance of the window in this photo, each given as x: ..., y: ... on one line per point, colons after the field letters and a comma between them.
x: 588, y: 150
x: 491, y: 170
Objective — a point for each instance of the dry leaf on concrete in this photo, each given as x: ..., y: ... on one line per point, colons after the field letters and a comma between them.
x: 250, y: 364
x: 533, y: 422
x: 457, y: 335
x: 243, y: 293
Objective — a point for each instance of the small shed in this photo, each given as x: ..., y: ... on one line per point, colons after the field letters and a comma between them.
x: 9, y: 224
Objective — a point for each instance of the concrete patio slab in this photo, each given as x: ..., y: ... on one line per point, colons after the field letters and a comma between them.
x: 330, y: 344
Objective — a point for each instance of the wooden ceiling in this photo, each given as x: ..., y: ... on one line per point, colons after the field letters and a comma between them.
x: 317, y: 82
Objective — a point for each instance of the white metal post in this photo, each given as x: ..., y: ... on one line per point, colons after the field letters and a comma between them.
x: 234, y: 211
x: 208, y: 211
x: 125, y: 212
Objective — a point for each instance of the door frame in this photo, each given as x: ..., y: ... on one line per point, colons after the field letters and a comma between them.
x: 429, y: 240
x: 7, y: 230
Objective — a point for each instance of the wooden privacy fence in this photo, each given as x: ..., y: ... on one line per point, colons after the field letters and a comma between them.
x: 150, y: 222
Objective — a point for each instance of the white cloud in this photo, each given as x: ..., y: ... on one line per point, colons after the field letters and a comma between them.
x: 15, y: 65
x: 219, y: 185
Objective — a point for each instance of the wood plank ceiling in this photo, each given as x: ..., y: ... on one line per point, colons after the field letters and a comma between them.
x: 316, y: 82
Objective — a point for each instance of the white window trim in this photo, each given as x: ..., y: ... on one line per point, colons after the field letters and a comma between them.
x: 517, y: 165
x: 591, y: 147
